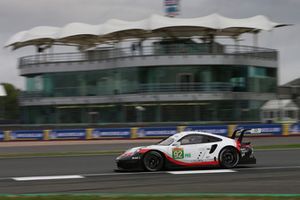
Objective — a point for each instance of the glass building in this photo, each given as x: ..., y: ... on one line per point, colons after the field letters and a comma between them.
x: 169, y: 79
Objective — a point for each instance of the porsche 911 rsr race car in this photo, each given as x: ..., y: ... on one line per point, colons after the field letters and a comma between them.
x: 189, y: 150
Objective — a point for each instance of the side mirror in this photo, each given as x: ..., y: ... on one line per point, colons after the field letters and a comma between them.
x: 176, y: 144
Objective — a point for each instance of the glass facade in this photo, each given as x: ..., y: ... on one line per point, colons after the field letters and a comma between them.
x: 141, y: 80
x: 199, y: 111
x: 154, y: 79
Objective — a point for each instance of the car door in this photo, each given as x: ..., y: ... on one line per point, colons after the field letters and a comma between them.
x: 190, y: 149
x: 210, y: 145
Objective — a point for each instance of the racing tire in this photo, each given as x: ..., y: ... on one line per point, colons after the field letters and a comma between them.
x: 229, y: 157
x: 153, y: 161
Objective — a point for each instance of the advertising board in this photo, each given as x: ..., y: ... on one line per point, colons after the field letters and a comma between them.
x: 75, y: 134
x: 218, y: 129
x: 26, y: 135
x: 156, y: 131
x: 266, y: 129
x: 111, y: 132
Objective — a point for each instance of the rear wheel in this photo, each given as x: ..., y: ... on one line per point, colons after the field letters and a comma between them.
x: 153, y: 161
x: 229, y: 157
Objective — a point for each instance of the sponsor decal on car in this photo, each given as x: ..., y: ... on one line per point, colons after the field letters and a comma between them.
x: 178, y: 153
x: 187, y: 155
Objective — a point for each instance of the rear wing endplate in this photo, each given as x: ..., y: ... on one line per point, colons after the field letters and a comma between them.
x: 243, y: 131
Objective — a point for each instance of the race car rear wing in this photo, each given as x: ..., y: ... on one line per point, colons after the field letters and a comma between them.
x: 242, y: 133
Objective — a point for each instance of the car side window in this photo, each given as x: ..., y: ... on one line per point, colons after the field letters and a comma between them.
x: 191, y: 139
x: 208, y: 139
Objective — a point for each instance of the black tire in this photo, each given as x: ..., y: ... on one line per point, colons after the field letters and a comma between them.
x: 229, y: 157
x: 153, y: 161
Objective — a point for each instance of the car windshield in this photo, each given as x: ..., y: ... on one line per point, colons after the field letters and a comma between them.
x: 167, y: 141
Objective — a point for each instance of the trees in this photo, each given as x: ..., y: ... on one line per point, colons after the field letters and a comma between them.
x: 9, y: 104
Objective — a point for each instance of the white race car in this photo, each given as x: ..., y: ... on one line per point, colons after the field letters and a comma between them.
x: 190, y: 149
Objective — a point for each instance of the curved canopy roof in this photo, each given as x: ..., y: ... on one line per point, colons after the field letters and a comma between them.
x: 82, y: 34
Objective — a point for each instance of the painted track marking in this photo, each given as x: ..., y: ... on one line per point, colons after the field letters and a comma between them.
x: 201, y: 171
x: 37, y: 178
x: 57, y: 177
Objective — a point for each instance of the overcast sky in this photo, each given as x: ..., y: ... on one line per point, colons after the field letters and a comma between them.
x: 19, y: 15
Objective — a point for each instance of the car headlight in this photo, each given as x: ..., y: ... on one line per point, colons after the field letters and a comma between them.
x: 128, y: 153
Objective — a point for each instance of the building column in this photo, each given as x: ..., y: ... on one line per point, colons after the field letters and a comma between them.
x: 158, y: 113
x: 197, y: 113
x: 237, y: 111
x: 82, y: 87
x: 57, y: 113
x: 122, y: 113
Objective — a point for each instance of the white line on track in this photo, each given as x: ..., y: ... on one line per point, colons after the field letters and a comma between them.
x: 201, y: 171
x: 38, y: 178
x: 57, y: 177
x: 122, y: 173
x: 270, y: 168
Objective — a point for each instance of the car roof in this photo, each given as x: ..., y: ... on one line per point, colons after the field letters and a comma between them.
x: 184, y: 133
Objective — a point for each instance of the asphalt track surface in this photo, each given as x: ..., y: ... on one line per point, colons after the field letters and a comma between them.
x: 277, y: 171
x: 100, y: 145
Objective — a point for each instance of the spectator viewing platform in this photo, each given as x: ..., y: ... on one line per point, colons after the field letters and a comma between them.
x: 175, y: 69
x: 171, y: 49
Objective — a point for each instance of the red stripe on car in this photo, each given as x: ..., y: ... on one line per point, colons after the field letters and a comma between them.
x: 142, y: 151
x: 238, y: 145
x: 194, y: 164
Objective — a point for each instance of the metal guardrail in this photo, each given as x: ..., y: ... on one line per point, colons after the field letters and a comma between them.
x: 141, y: 88
x: 154, y: 50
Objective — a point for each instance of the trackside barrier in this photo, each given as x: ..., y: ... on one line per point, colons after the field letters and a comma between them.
x: 67, y: 134
x: 294, y: 129
x: 26, y: 135
x: 153, y: 132
x: 218, y: 129
x: 144, y: 132
x: 266, y: 129
x: 100, y: 133
x: 1, y: 135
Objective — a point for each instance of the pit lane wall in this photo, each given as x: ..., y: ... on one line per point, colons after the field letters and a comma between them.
x: 143, y: 132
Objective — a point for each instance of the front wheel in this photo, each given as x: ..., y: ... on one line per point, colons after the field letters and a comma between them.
x: 153, y: 161
x: 229, y: 157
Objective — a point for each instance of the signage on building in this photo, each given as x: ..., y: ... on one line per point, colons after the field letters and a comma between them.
x: 171, y: 8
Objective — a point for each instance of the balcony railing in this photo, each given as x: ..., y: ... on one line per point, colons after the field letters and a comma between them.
x: 139, y: 89
x: 154, y: 50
